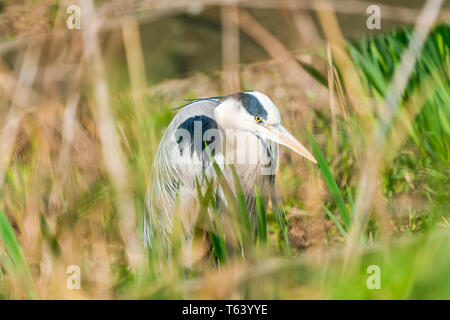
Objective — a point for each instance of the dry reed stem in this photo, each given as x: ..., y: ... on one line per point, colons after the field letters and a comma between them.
x: 135, y: 58
x: 273, y: 46
x: 111, y: 149
x: 354, y: 7
x: 230, y: 49
x: 351, y: 79
x: 330, y: 76
x: 20, y: 99
x: 306, y: 29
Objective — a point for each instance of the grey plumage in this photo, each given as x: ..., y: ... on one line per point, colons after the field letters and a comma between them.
x: 173, y: 172
x: 243, y: 129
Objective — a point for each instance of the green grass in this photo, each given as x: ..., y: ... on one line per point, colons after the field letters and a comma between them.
x: 14, y: 259
x: 332, y: 186
x: 377, y: 58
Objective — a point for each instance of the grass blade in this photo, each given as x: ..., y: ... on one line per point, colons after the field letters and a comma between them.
x: 14, y: 251
x: 350, y: 199
x: 243, y: 214
x: 335, y: 221
x: 331, y: 183
x: 316, y: 74
x: 213, y: 227
x: 262, y: 218
x: 220, y: 246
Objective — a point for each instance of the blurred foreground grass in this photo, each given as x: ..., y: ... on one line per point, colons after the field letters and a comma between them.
x: 59, y: 199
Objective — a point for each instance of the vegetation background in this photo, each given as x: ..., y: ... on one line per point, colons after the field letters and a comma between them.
x: 82, y: 112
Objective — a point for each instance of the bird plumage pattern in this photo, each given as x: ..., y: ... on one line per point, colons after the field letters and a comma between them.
x: 243, y: 130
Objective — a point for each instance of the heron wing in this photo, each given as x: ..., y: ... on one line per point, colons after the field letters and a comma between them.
x: 180, y: 160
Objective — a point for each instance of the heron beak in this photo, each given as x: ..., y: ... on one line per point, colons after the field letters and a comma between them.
x: 279, y: 134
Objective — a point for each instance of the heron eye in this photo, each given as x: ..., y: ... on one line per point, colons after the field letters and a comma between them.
x: 258, y: 119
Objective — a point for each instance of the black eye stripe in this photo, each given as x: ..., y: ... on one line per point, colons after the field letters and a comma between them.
x: 252, y: 105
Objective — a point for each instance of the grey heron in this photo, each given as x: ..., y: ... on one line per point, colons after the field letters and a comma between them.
x: 242, y: 129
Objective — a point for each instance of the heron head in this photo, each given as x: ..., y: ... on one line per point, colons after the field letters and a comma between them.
x: 253, y: 111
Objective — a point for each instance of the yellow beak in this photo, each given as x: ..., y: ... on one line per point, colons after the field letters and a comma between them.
x: 281, y: 135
